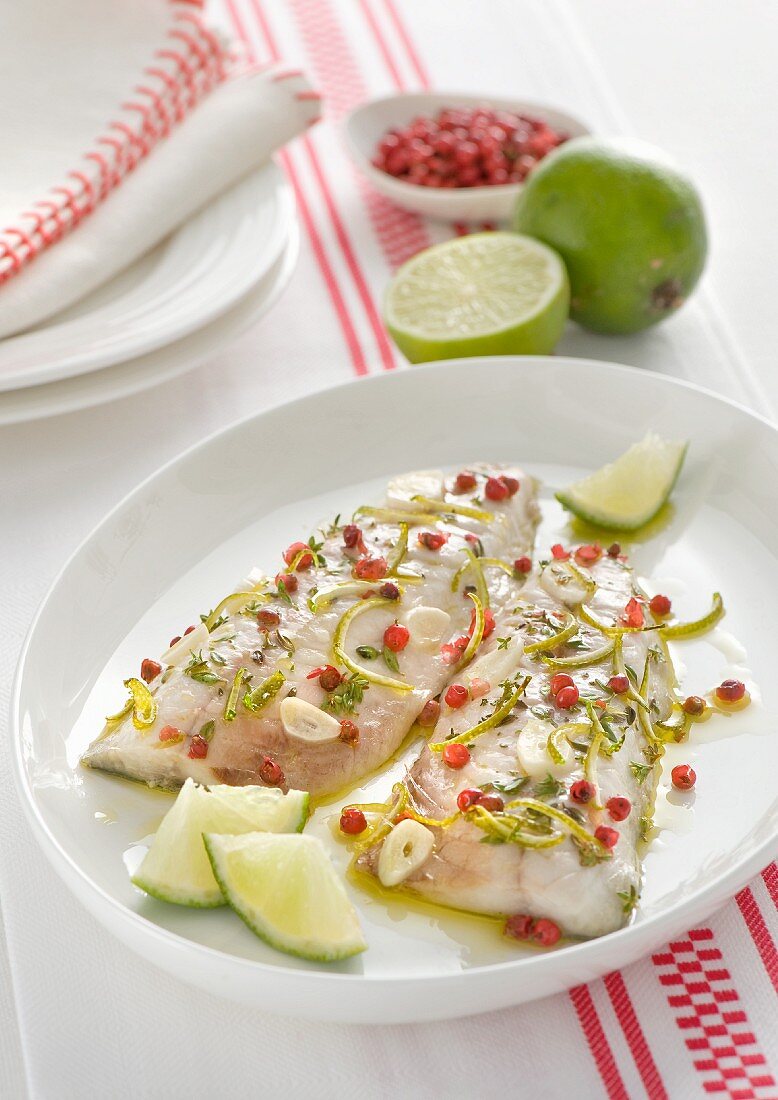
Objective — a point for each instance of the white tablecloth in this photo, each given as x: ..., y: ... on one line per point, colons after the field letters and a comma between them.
x: 81, y: 1016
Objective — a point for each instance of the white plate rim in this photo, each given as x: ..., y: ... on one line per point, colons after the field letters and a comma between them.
x: 237, y: 279
x: 655, y: 931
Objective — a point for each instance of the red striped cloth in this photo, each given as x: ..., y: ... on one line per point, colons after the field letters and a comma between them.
x: 188, y: 61
x: 699, y: 1016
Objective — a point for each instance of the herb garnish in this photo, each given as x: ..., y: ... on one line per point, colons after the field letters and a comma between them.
x: 590, y: 853
x: 262, y: 694
x: 510, y: 786
x: 503, y: 643
x: 390, y: 659
x: 285, y: 642
x: 629, y: 899
x: 640, y: 771
x: 347, y: 695
x: 231, y: 706
x: 549, y: 787
x: 198, y: 669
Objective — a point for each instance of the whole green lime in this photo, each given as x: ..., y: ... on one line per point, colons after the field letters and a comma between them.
x: 630, y: 228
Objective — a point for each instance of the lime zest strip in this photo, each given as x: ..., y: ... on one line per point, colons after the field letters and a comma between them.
x: 397, y: 515
x: 554, y: 640
x: 678, y: 631
x: 478, y: 633
x: 339, y: 641
x: 454, y: 509
x: 491, y: 563
x: 399, y: 551
x: 674, y: 731
x: 144, y: 707
x: 326, y: 595
x: 508, y: 828
x: 598, y: 736
x: 580, y: 660
x: 552, y: 746
x: 231, y: 706
x: 223, y: 605
x: 611, y: 630
x: 476, y: 564
x: 263, y: 693
x: 568, y: 823
x: 494, y: 719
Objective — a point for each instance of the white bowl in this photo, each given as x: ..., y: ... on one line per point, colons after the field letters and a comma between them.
x: 366, y: 125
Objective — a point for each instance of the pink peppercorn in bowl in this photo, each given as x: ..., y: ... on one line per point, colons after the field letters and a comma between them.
x: 367, y: 126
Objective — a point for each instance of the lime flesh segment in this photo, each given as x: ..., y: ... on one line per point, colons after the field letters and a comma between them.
x: 176, y: 867
x: 628, y: 493
x: 484, y: 294
x: 287, y: 891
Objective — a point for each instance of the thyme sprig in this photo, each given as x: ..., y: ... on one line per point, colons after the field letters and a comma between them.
x: 347, y: 695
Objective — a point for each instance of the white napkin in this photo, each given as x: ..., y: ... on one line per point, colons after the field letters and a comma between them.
x: 75, y: 71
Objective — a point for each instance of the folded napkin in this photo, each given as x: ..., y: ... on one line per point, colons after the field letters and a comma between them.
x: 118, y: 122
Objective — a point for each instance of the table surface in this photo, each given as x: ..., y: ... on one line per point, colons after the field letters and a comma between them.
x: 79, y: 1014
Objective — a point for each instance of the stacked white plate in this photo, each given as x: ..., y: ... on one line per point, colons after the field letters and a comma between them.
x: 166, y: 313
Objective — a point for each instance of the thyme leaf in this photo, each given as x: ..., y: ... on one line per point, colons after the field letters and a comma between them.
x: 640, y: 771
x: 282, y: 592
x: 629, y: 899
x: 510, y: 786
x: 198, y: 669
x: 390, y: 659
x: 589, y: 854
x: 549, y: 787
x: 347, y: 695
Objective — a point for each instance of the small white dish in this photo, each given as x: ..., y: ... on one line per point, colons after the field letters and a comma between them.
x: 197, y: 274
x: 366, y: 125
x: 135, y: 581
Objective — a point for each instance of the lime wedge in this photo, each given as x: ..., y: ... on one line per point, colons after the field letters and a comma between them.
x: 287, y: 891
x: 629, y: 492
x: 176, y: 867
x: 484, y: 294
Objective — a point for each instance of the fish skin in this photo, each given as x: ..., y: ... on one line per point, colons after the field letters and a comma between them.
x: 505, y: 879
x: 239, y: 747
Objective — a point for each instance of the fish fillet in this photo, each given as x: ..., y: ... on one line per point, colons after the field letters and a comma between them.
x: 614, y: 742
x: 222, y: 710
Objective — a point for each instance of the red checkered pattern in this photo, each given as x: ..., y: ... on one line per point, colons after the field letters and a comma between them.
x: 708, y: 1012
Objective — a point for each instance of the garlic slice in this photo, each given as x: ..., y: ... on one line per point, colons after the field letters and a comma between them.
x: 408, y: 846
x: 427, y: 625
x: 184, y: 647
x: 561, y: 583
x: 306, y: 722
x: 253, y: 579
x: 532, y: 750
x: 420, y: 483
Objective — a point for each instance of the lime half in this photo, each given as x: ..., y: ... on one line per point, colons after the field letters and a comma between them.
x: 177, y: 868
x: 287, y: 891
x: 629, y: 492
x: 484, y: 294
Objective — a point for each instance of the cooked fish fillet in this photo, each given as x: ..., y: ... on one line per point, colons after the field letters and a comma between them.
x: 578, y: 883
x: 236, y: 701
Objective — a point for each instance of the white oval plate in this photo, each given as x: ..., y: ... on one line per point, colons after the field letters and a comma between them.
x: 158, y: 366
x: 235, y: 499
x: 193, y: 277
